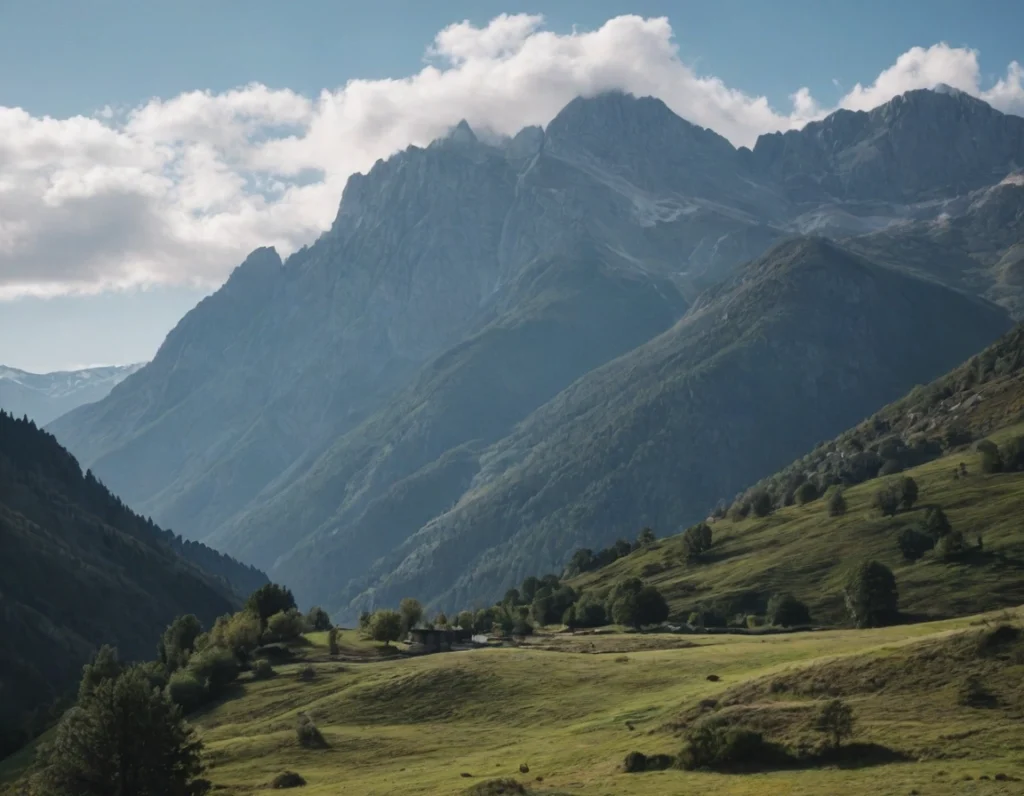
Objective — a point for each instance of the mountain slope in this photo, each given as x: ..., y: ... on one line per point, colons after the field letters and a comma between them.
x: 79, y: 569
x: 816, y: 338
x: 46, y: 396
x: 565, y: 316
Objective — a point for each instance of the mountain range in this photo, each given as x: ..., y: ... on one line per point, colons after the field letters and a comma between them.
x: 46, y: 396
x: 501, y: 351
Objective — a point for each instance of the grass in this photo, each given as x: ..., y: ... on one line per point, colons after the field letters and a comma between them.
x: 417, y: 725
x: 802, y: 550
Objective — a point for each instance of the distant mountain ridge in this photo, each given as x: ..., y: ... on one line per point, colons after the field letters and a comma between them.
x: 342, y: 409
x: 46, y: 396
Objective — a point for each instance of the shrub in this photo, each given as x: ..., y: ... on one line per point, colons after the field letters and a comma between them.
x: 836, y: 503
x: 739, y: 510
x: 333, y: 645
x: 887, y: 500
x: 835, y: 720
x: 753, y: 621
x: 520, y: 627
x: 787, y: 611
x: 386, y: 626
x: 972, y: 693
x: 761, y: 504
x: 636, y: 762
x: 719, y: 747
x: 890, y: 467
x: 991, y: 461
x: 645, y: 538
x: 216, y: 667
x: 951, y: 546
x: 308, y: 734
x: 914, y: 544
x: 697, y: 540
x: 186, y: 690
x: 936, y: 523
x: 908, y: 492
x: 263, y: 670
x: 285, y: 626
x: 807, y: 492
x: 1012, y: 455
x: 364, y: 621
x: 239, y: 633
x: 287, y: 779
x: 307, y: 673
x: 871, y: 595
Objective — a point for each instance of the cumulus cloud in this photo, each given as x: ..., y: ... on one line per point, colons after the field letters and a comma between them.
x: 178, y: 190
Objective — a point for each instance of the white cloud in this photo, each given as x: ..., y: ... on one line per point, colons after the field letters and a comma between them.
x: 178, y: 190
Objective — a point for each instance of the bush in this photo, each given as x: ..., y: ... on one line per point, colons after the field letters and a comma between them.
x: 972, y: 693
x: 761, y: 504
x: 307, y: 673
x: 887, y: 500
x: 951, y: 546
x: 697, y: 540
x: 263, y: 670
x: 308, y: 734
x: 908, y: 492
x: 215, y: 666
x: 836, y: 503
x: 1011, y: 454
x: 186, y: 690
x: 637, y: 762
x: 991, y: 461
x: 412, y: 613
x: 835, y: 720
x: 285, y: 626
x: 333, y: 645
x: 785, y: 610
x: 721, y: 748
x: 287, y: 779
x: 936, y: 523
x: 872, y: 599
x: 239, y: 633
x: 914, y: 544
x: 739, y: 510
x: 807, y: 492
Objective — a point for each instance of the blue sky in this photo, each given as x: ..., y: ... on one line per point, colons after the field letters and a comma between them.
x: 145, y: 265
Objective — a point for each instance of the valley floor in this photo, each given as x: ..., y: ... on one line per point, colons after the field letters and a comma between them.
x: 445, y: 723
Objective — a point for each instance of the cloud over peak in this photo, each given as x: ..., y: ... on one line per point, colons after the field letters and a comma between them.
x: 178, y: 190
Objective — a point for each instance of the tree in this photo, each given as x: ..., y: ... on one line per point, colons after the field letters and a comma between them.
x: 936, y: 523
x: 835, y: 719
x: 645, y: 538
x: 836, y: 503
x: 761, y: 504
x: 908, y: 492
x: 652, y: 607
x: 914, y: 544
x: 364, y: 620
x: 549, y: 605
x: 270, y: 599
x: 285, y: 625
x: 633, y: 604
x: 871, y: 595
x: 333, y: 646
x: 441, y: 620
x: 104, y: 665
x: 465, y: 620
x: 239, y: 633
x: 386, y: 626
x: 1012, y: 455
x: 991, y: 461
x: 582, y: 561
x: 483, y: 622
x: 178, y: 641
x: 696, y: 540
x: 951, y: 546
x: 785, y: 610
x: 318, y: 619
x: 529, y: 588
x: 887, y: 500
x: 124, y: 739
x: 511, y: 597
x: 216, y: 667
x: 590, y: 611
x: 412, y: 613
x: 807, y: 492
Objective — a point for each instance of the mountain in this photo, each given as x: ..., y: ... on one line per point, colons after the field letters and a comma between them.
x: 79, y: 569
x: 490, y: 341
x: 46, y: 396
x: 807, y: 339
x: 932, y: 434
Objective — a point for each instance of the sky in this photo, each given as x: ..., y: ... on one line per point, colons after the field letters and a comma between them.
x: 146, y: 148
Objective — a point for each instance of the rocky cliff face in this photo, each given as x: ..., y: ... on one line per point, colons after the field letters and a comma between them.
x: 341, y: 410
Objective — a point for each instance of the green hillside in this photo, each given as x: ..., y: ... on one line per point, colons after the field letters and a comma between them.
x: 936, y: 706
x: 79, y: 569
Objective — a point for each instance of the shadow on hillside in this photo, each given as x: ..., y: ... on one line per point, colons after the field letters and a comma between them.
x: 855, y: 755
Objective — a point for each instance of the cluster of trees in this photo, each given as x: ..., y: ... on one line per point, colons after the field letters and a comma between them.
x: 586, y: 560
x: 896, y: 495
x: 1006, y: 458
x: 934, y: 533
